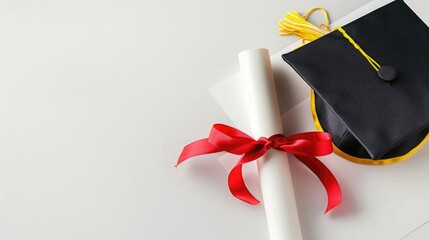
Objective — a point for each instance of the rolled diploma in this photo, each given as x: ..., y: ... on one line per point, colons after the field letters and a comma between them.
x: 273, y: 167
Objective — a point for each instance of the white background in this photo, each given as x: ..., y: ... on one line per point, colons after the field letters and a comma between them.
x: 97, y: 99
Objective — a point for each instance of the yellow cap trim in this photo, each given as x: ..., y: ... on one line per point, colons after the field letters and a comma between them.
x: 366, y: 161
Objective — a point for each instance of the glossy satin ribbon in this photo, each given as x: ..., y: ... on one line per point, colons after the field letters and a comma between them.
x: 305, y: 147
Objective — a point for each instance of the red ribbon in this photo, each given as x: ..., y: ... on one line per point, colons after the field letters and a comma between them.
x: 304, y: 147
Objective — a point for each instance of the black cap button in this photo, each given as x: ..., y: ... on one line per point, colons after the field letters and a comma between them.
x: 387, y: 73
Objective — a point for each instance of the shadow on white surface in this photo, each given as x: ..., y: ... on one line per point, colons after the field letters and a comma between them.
x: 206, y: 171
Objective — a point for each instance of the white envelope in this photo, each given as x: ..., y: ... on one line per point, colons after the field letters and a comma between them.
x: 379, y: 202
x: 422, y: 232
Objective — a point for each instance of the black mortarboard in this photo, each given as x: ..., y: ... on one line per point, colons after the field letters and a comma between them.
x: 376, y: 114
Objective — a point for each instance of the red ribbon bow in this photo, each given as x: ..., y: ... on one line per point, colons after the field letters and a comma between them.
x: 304, y: 147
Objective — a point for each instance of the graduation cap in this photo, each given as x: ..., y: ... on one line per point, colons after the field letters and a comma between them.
x: 370, y: 84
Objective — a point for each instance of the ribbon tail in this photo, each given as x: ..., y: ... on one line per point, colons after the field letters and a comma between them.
x: 197, y: 148
x: 238, y: 187
x: 326, y: 177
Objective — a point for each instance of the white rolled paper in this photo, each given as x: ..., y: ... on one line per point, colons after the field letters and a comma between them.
x: 276, y: 182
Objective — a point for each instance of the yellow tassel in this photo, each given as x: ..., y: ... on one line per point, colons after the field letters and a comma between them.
x: 297, y: 25
x: 371, y: 61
